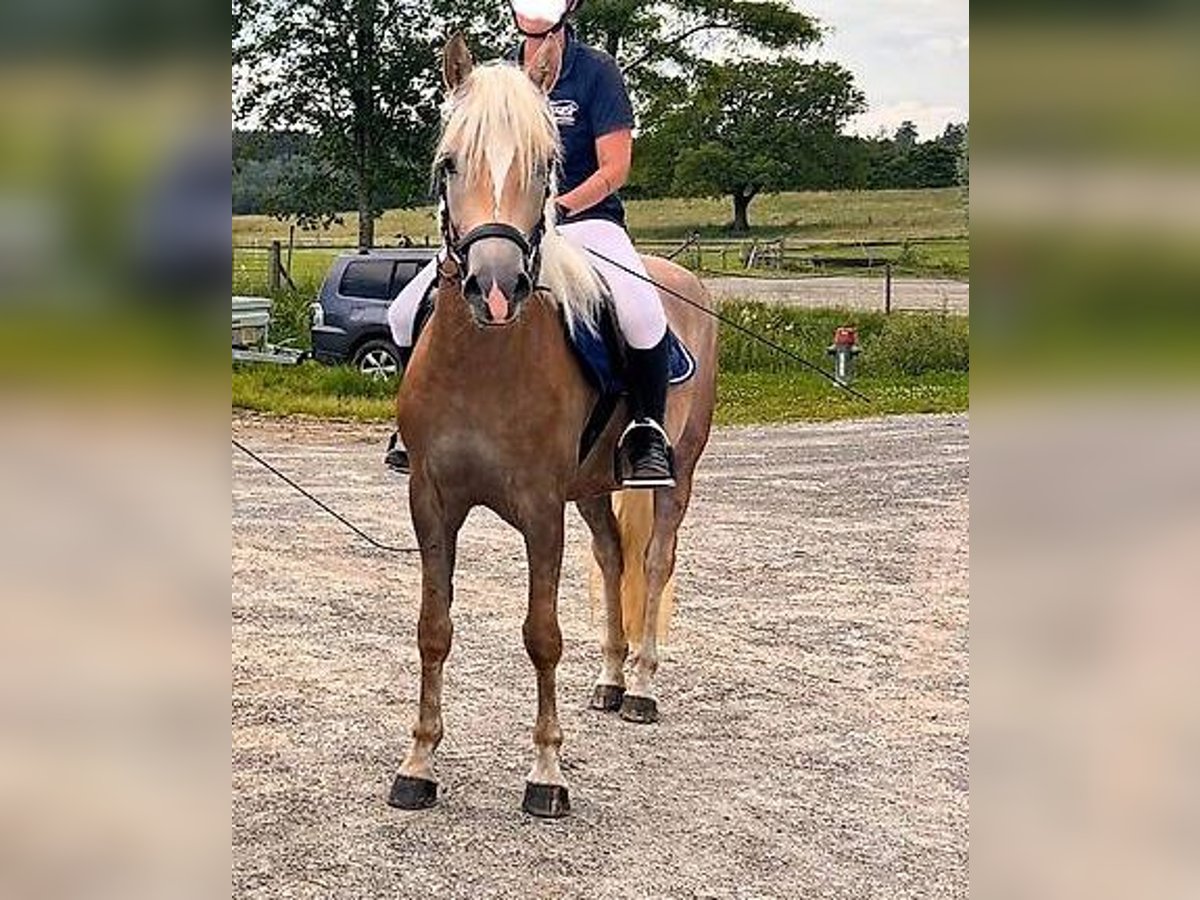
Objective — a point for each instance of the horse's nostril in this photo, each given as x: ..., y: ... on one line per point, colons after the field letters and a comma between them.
x: 523, y: 288
x: 472, y: 289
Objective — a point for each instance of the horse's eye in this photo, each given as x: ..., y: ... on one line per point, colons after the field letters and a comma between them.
x: 448, y: 167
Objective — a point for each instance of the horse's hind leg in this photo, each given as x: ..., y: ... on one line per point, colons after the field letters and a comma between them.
x: 614, y: 647
x: 437, y: 533
x: 545, y: 788
x: 640, y: 703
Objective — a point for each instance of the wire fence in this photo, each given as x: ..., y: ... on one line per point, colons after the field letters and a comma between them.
x: 272, y: 267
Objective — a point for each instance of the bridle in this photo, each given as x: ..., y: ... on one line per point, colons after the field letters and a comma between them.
x: 459, y: 246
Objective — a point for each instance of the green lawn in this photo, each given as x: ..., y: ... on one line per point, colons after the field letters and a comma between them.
x: 742, y: 397
x: 818, y: 223
x: 909, y: 363
x: 827, y: 215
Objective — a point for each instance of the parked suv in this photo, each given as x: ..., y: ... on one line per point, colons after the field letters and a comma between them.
x: 349, y: 316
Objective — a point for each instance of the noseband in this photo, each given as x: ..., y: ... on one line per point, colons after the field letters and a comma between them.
x: 458, y: 247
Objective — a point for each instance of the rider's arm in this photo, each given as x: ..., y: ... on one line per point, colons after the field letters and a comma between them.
x: 614, y: 153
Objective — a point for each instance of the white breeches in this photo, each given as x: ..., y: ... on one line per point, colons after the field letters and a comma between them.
x: 639, y: 309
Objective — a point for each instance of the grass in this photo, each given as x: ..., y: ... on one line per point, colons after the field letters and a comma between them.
x: 933, y: 222
x: 827, y: 215
x: 748, y: 398
x: 909, y: 363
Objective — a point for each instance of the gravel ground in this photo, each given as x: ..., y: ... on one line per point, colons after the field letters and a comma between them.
x: 847, y: 292
x: 814, y: 692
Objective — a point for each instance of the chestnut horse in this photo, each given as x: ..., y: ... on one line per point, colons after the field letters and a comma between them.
x: 493, y: 406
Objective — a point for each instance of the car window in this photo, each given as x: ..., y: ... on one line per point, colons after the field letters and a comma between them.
x: 405, y: 272
x: 369, y: 278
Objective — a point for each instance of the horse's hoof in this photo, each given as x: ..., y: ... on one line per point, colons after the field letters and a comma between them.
x: 643, y: 710
x: 548, y: 801
x: 412, y: 793
x: 607, y: 697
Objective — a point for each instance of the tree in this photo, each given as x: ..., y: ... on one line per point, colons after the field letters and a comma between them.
x: 906, y: 136
x: 662, y: 42
x: 360, y: 77
x: 963, y: 168
x: 751, y: 127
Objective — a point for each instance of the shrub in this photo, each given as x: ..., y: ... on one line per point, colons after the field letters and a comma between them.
x: 916, y: 343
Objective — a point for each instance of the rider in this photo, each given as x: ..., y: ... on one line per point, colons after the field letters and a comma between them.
x: 595, y: 120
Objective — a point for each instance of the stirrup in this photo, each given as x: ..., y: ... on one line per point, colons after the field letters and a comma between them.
x: 396, y: 457
x: 656, y: 480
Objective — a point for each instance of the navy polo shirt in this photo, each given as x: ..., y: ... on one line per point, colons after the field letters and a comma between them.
x: 589, y: 101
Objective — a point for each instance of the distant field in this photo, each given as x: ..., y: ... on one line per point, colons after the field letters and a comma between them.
x: 829, y: 225
x: 826, y: 215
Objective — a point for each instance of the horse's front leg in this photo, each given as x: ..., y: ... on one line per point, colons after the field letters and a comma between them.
x: 437, y: 534
x: 545, y: 789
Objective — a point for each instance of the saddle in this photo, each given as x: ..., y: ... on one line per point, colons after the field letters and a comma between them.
x: 601, y: 358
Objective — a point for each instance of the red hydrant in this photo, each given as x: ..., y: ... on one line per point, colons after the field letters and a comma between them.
x: 843, y: 350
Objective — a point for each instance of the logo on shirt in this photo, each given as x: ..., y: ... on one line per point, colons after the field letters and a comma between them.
x: 564, y: 111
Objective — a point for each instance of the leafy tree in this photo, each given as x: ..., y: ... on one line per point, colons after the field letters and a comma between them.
x: 964, y: 168
x: 906, y: 136
x: 904, y: 161
x: 665, y: 41
x: 361, y: 78
x: 751, y: 127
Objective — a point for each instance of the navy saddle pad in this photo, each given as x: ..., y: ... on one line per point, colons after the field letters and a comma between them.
x: 601, y: 364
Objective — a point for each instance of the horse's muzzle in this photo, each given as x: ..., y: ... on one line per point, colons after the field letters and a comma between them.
x: 495, y: 299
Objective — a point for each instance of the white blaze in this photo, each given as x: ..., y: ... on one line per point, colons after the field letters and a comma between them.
x: 500, y: 156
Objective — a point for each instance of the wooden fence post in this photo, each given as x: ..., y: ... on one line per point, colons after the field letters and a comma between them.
x: 273, y: 266
x: 887, y: 288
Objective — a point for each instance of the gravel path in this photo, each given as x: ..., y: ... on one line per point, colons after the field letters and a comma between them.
x: 814, y: 693
x: 847, y: 292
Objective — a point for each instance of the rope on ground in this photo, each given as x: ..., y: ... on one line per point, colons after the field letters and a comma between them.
x: 379, y: 545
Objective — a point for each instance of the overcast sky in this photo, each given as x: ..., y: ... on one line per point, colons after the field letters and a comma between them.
x: 908, y: 56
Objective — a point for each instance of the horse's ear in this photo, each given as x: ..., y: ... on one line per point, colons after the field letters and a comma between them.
x: 546, y: 66
x: 456, y: 62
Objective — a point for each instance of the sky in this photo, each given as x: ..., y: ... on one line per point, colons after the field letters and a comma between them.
x: 910, y: 58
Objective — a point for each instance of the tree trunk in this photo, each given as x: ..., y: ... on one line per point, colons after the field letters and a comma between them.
x: 364, y: 118
x: 741, y: 203
x: 366, y: 216
x: 362, y: 188
x: 612, y: 43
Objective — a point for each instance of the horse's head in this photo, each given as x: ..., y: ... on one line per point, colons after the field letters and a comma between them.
x: 494, y: 169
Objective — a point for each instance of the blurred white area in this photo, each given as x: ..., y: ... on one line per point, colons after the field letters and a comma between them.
x: 1142, y: 199
x: 1085, y: 574
x: 113, y: 652
x: 114, y: 528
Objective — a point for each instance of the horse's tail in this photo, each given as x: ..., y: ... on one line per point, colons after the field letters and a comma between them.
x: 635, y: 522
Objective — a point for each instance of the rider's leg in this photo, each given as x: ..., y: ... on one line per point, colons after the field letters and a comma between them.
x: 402, y: 315
x: 643, y: 323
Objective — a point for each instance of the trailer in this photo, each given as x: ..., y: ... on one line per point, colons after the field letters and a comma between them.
x: 251, y: 334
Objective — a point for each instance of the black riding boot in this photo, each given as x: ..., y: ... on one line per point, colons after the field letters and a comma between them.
x: 396, y: 457
x: 645, y: 444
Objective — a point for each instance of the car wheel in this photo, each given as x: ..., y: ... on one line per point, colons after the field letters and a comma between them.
x: 378, y: 359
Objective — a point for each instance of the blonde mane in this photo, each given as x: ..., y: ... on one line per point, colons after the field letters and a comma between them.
x: 499, y: 100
